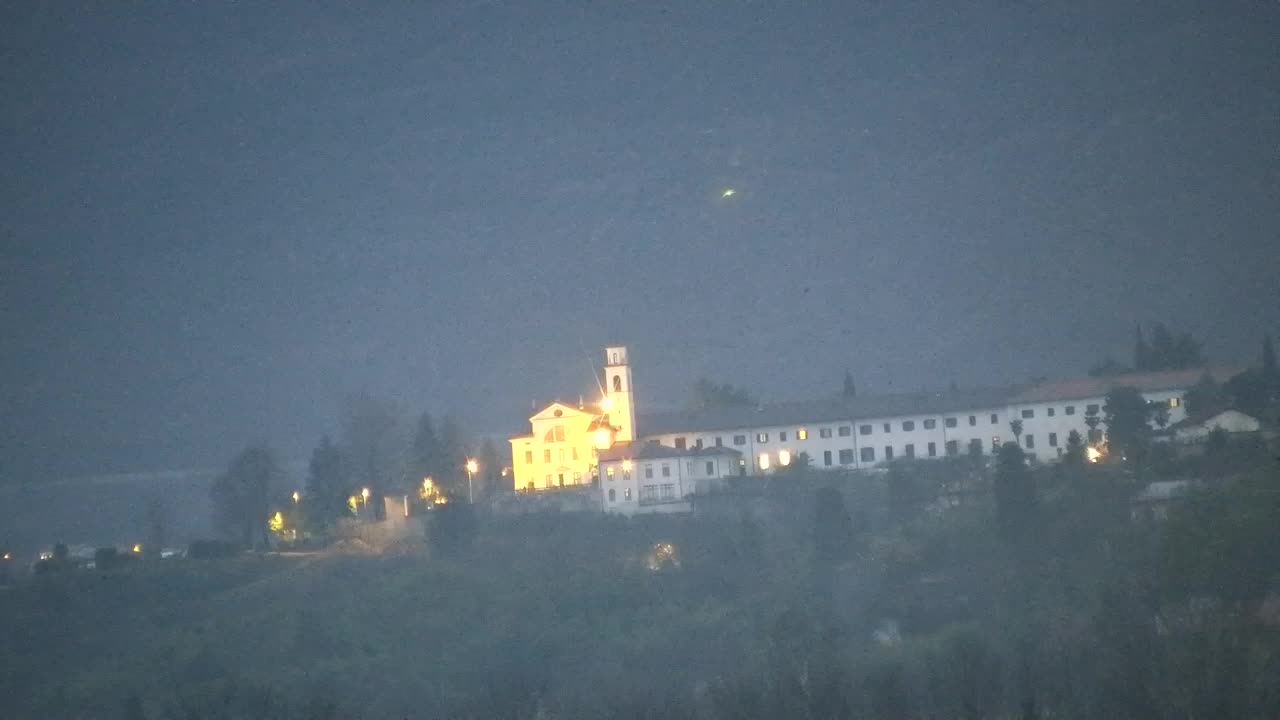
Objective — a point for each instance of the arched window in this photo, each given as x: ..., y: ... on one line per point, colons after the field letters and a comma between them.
x: 617, y: 383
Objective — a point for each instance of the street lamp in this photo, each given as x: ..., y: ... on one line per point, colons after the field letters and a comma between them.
x: 296, y: 497
x: 472, y: 467
x: 364, y: 493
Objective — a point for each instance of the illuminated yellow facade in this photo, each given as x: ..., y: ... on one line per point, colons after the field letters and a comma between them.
x: 561, y: 449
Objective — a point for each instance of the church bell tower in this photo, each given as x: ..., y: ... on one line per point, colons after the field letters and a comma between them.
x: 617, y: 378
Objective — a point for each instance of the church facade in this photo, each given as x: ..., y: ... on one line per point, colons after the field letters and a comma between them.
x: 656, y: 462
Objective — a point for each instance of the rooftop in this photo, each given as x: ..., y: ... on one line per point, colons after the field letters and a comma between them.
x: 653, y: 451
x: 1090, y: 387
x: 820, y: 411
x: 741, y: 417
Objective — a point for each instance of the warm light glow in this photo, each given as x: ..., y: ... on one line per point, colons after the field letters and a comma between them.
x: 1093, y: 453
x: 606, y: 404
x: 784, y: 457
x: 728, y: 193
x: 442, y: 500
x: 296, y: 497
x: 626, y: 466
x: 353, y: 503
x: 275, y: 524
x: 364, y: 493
x: 802, y: 434
x: 8, y: 556
x: 138, y: 548
x: 472, y: 466
x: 601, y: 439
x: 764, y: 461
x: 664, y: 555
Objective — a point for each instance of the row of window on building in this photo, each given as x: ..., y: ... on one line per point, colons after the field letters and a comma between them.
x: 905, y: 426
x: 546, y: 455
x: 709, y: 467
x: 867, y: 454
x: 666, y: 492
x: 740, y: 440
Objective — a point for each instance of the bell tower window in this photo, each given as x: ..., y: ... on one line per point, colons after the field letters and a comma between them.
x: 617, y: 383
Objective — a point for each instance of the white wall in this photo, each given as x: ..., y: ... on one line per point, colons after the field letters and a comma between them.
x: 1041, y: 427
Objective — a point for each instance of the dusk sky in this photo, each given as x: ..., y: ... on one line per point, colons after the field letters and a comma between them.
x: 220, y: 217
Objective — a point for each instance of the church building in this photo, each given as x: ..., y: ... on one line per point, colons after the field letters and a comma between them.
x: 561, y: 449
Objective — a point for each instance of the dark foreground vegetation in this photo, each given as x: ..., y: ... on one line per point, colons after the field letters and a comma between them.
x: 817, y: 598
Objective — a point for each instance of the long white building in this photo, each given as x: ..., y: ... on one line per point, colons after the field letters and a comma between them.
x: 654, y: 462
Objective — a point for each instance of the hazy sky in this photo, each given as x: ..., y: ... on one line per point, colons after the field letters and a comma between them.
x: 219, y: 217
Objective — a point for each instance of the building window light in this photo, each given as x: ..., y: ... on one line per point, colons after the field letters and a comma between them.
x: 764, y: 461
x: 784, y: 457
x: 802, y: 434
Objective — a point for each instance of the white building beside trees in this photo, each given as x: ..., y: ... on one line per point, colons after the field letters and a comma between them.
x: 655, y: 462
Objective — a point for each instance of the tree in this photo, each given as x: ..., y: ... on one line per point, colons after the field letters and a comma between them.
x: 1127, y: 415
x: 493, y: 483
x: 1247, y: 392
x: 1170, y: 352
x: 424, y: 452
x: 328, y: 486
x: 1141, y: 351
x: 453, y: 458
x: 240, y: 496
x: 374, y: 446
x: 1160, y: 414
x: 1075, y: 452
x: 708, y: 395
x: 1015, y: 492
x: 1205, y: 397
x: 849, y: 391
x: 1108, y: 368
x: 1015, y: 426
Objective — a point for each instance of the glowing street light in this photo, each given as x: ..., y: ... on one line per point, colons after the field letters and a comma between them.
x: 472, y: 467
x: 626, y: 466
x: 364, y: 493
x: 728, y: 193
x: 297, y: 496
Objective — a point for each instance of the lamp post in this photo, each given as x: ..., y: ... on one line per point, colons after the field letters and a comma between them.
x: 472, y: 467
